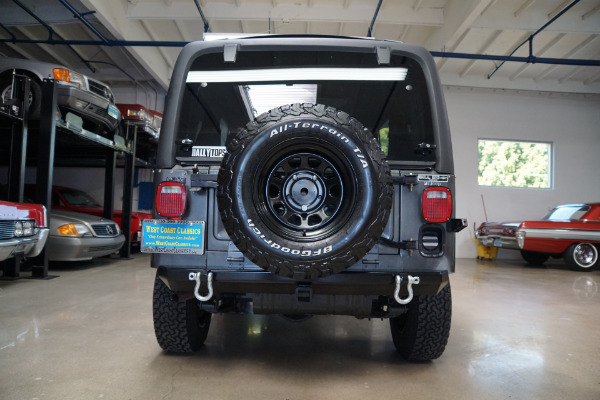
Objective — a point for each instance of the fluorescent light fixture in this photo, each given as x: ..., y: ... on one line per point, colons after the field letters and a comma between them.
x: 266, y: 97
x: 298, y: 74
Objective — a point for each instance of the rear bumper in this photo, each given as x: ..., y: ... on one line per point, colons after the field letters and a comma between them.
x: 345, y: 283
x: 499, y: 241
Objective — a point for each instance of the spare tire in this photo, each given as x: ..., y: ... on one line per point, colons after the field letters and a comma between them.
x: 304, y: 191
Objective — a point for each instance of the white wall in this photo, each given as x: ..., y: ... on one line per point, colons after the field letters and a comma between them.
x: 571, y: 123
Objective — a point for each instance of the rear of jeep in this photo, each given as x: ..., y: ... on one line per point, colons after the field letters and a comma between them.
x: 304, y: 176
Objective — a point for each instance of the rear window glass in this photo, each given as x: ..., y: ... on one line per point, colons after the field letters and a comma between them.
x: 567, y: 212
x: 390, y: 100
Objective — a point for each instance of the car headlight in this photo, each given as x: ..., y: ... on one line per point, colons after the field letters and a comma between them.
x: 28, y: 228
x: 18, y: 229
x: 73, y: 230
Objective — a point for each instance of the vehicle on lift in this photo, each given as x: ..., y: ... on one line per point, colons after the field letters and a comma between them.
x: 65, y: 198
x: 304, y: 175
x: 79, y: 94
x: 141, y: 117
x: 76, y: 236
x: 157, y: 118
x: 23, y: 229
x: 570, y: 231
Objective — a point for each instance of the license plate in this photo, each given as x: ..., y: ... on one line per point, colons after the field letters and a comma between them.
x: 177, y: 237
x: 497, y: 242
x: 113, y: 111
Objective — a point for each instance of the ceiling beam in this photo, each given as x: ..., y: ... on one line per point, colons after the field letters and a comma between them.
x: 50, y: 50
x: 154, y: 37
x: 594, y: 78
x: 538, y: 53
x: 558, y: 9
x: 523, y: 8
x: 396, y: 13
x: 459, y: 15
x: 531, y: 20
x: 581, y: 46
x: 504, y: 83
x: 112, y: 14
x: 183, y: 32
x: 481, y: 49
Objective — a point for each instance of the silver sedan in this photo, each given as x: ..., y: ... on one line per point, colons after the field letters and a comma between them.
x: 77, y: 237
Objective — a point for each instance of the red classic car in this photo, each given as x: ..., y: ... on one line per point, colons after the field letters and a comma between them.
x: 23, y: 229
x: 138, y: 115
x: 64, y: 198
x: 571, y: 231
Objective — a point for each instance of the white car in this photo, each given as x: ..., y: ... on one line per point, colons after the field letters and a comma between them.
x: 79, y: 94
x: 78, y: 237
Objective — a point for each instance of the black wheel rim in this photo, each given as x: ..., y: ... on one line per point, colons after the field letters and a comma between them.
x: 304, y: 191
x: 308, y: 195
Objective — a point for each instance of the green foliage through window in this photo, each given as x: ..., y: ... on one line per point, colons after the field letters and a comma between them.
x: 514, y: 164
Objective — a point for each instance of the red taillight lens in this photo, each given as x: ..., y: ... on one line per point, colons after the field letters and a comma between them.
x: 170, y: 199
x: 437, y: 204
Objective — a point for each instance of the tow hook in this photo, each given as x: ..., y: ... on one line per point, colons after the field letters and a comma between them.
x: 412, y: 280
x: 195, y: 276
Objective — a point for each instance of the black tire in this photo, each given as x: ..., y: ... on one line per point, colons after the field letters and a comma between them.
x: 35, y: 94
x: 180, y: 327
x: 421, y: 334
x: 581, y: 256
x: 534, y: 258
x: 304, y: 191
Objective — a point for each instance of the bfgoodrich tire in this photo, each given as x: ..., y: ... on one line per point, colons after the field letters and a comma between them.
x: 304, y: 191
x: 421, y: 334
x: 180, y: 327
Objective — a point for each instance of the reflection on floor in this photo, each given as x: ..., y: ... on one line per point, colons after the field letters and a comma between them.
x: 517, y: 333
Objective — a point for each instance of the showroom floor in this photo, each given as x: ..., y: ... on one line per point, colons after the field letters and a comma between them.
x: 517, y: 333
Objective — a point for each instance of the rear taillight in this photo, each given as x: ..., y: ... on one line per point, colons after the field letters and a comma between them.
x: 170, y: 199
x: 437, y: 204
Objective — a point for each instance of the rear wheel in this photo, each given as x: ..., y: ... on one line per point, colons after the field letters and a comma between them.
x: 180, y: 327
x: 534, y: 258
x: 581, y: 256
x: 421, y: 334
x: 35, y: 95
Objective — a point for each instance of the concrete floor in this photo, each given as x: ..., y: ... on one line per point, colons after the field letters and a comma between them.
x: 517, y: 333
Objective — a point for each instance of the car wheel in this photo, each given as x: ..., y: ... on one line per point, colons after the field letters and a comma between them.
x: 534, y: 258
x: 421, y: 334
x: 35, y: 95
x: 304, y: 191
x: 581, y: 256
x: 180, y: 327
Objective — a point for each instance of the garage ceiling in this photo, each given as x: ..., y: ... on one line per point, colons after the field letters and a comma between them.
x: 483, y: 27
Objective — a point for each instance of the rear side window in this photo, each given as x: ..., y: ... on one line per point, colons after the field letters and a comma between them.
x: 567, y: 212
x: 390, y: 100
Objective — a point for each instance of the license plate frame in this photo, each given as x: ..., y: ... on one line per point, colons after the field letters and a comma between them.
x: 113, y: 111
x: 174, y: 237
